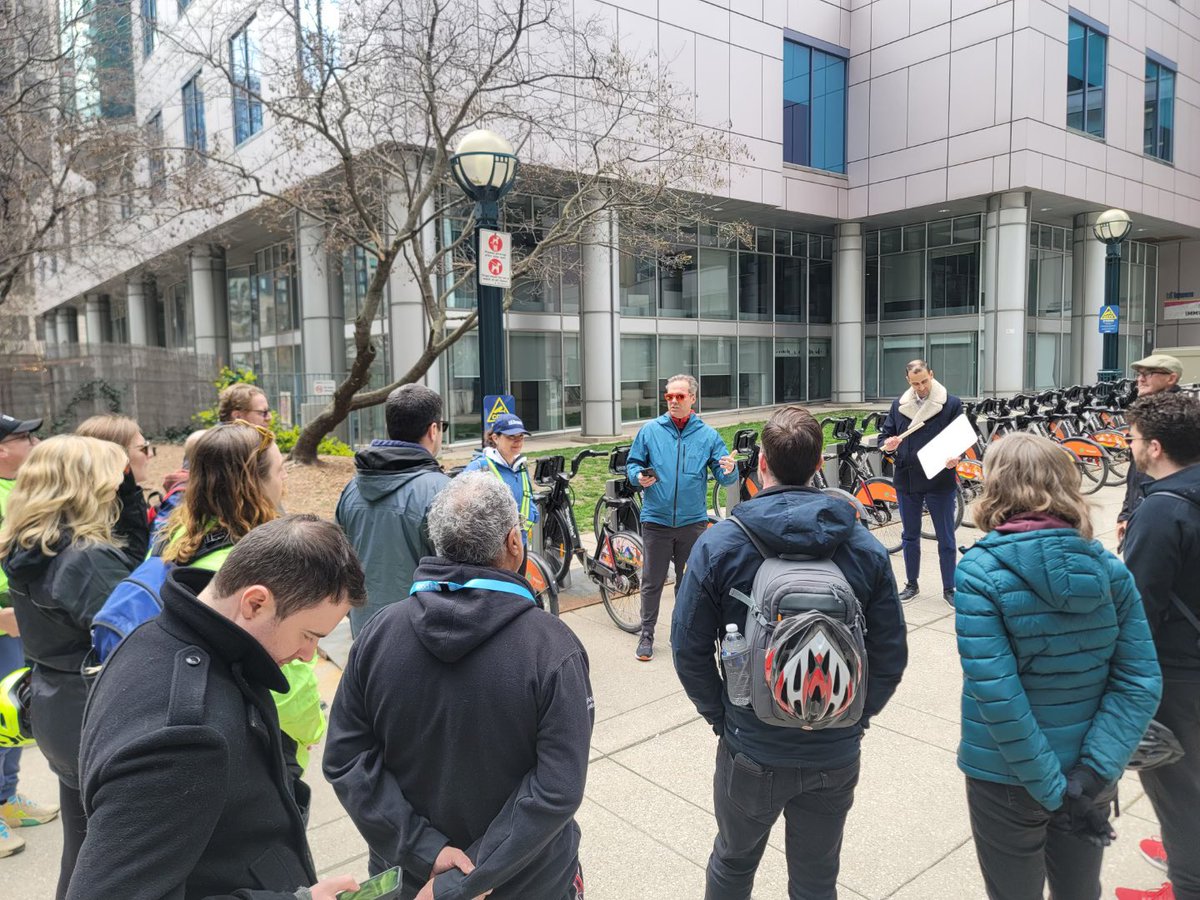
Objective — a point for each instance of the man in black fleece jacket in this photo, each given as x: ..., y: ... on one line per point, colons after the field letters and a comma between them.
x: 458, y: 739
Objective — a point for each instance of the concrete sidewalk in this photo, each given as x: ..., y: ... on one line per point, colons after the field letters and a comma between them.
x: 647, y: 817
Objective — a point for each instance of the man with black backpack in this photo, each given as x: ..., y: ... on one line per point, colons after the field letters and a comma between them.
x: 1163, y: 535
x: 814, y: 594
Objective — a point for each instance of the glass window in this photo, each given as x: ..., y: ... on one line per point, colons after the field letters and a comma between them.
x: 457, y: 282
x: 718, y: 368
x: 940, y: 233
x: 717, y: 284
x: 572, y: 382
x: 820, y: 369
x: 194, y: 134
x: 278, y: 302
x: 149, y: 25
x: 789, y: 289
x: 1086, y: 53
x: 902, y: 286
x: 677, y: 355
x: 955, y: 360
x: 814, y: 108
x: 820, y: 291
x: 239, y: 288
x: 898, y: 350
x: 535, y: 374
x: 246, y: 83
x: 1160, y: 111
x: 569, y: 289
x: 871, y: 289
x: 755, y: 271
x: 317, y: 25
x: 677, y: 285
x: 638, y: 278
x: 954, y: 280
x: 179, y: 312
x: 789, y: 370
x: 871, y: 366
x: 639, y: 381
x: 156, y: 159
x: 358, y: 268
x: 462, y: 399
x: 755, y: 372
x: 967, y: 230
x: 1043, y: 366
x: 1047, y: 282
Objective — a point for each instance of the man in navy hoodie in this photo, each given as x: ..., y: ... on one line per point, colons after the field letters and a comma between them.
x: 458, y: 739
x: 764, y: 770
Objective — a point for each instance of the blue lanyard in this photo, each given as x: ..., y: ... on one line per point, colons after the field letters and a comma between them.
x: 487, y: 584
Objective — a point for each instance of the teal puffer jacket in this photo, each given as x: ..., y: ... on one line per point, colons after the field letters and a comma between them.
x: 1058, y: 664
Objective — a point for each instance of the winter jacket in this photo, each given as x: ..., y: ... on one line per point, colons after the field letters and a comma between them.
x: 464, y: 719
x: 383, y: 514
x: 1163, y: 534
x: 1058, y: 664
x: 682, y: 461
x: 516, y: 477
x: 183, y: 776
x: 798, y: 520
x: 909, y: 477
x: 55, y: 598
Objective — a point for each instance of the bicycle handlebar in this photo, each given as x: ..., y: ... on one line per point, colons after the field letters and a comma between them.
x: 583, y: 454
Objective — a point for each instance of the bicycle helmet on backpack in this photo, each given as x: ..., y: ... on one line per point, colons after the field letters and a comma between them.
x: 1158, y: 747
x: 813, y: 669
x: 14, y: 710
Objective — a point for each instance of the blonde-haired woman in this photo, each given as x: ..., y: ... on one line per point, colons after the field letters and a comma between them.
x: 1060, y: 676
x: 62, y: 558
x: 133, y: 524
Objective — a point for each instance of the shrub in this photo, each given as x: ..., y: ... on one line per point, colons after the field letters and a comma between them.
x: 285, y: 439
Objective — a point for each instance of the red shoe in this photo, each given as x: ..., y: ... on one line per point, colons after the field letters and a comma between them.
x: 1166, y: 892
x: 1154, y: 852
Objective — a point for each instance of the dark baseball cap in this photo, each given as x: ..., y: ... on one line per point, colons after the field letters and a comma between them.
x: 509, y: 424
x: 10, y: 426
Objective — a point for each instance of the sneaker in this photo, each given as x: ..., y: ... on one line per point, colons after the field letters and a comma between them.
x: 1166, y: 892
x: 645, y: 648
x: 910, y: 591
x: 1154, y: 852
x: 9, y: 842
x: 948, y: 596
x: 20, y: 812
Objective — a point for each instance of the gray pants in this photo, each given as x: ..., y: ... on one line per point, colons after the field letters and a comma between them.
x: 664, y: 545
x: 1174, y: 790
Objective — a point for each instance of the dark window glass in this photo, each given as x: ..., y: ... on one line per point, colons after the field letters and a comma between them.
x: 755, y: 272
x: 1087, y: 52
x: 194, y: 135
x: 820, y: 291
x: 149, y: 25
x: 247, y: 86
x: 954, y: 281
x: 1160, y: 112
x: 789, y: 289
x: 814, y: 108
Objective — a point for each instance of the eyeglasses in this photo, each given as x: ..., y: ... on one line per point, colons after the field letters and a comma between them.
x: 1146, y: 373
x: 265, y: 413
x: 17, y: 438
x: 679, y: 397
x: 146, y: 448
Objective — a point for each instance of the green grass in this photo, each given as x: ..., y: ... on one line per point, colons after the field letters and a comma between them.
x: 588, y: 485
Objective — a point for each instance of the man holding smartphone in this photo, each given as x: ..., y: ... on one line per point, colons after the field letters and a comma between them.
x: 670, y: 460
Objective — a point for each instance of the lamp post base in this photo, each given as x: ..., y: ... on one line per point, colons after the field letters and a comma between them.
x: 1108, y: 375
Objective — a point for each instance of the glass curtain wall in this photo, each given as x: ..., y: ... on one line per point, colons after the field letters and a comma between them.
x: 1047, y: 339
x: 1137, y: 297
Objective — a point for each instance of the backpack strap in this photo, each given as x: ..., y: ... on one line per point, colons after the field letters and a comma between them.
x: 1175, y: 601
x: 763, y: 551
x: 188, y: 684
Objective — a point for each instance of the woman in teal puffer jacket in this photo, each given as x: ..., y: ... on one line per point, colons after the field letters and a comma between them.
x: 1060, y: 677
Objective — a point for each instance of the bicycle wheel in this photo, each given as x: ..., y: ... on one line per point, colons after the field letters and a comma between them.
x: 622, y: 591
x: 927, y: 531
x: 558, y: 544
x: 718, y: 499
x: 545, y: 589
x: 1092, y: 461
x: 878, y: 497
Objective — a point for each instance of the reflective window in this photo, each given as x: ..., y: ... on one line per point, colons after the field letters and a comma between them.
x: 1086, y: 54
x: 156, y: 159
x: 1044, y: 363
x: 955, y: 360
x: 677, y: 355
x: 717, y: 277
x: 677, y: 296
x: 195, y: 137
x: 246, y: 85
x: 755, y: 286
x: 639, y: 379
x: 572, y: 382
x: 149, y: 10
x: 896, y: 351
x: 820, y: 369
x: 755, y: 372
x: 820, y: 291
x: 639, y: 276
x: 790, y: 279
x: 462, y: 395
x: 954, y: 280
x: 718, y: 369
x: 535, y: 373
x: 239, y: 289
x: 1159, y: 128
x: 814, y: 108
x: 789, y: 370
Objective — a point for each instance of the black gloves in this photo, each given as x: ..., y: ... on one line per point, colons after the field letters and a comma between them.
x: 1080, y: 815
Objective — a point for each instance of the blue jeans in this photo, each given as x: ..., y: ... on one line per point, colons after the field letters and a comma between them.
x: 941, y: 513
x: 12, y: 657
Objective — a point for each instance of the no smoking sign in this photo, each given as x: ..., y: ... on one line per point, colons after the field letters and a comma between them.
x: 495, y: 258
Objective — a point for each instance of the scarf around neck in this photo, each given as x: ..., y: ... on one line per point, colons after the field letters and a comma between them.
x: 920, y: 413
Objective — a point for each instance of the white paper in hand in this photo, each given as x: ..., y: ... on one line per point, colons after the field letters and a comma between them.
x: 953, y: 441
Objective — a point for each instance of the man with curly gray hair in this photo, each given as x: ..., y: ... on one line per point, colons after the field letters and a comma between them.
x: 458, y: 740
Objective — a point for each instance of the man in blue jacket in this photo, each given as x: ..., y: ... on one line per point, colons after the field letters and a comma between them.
x: 763, y: 769
x: 915, y: 419
x: 670, y: 460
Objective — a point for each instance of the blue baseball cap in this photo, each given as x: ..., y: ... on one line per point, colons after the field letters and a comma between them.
x: 509, y: 424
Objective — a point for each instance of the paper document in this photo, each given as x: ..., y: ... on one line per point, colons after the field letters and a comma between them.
x: 952, y: 442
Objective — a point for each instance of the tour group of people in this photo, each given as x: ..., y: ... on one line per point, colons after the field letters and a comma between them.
x: 459, y: 736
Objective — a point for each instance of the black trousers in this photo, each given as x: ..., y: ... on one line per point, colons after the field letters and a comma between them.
x: 1174, y: 790
x: 74, y: 824
x: 749, y: 799
x: 1019, y: 846
x: 664, y: 545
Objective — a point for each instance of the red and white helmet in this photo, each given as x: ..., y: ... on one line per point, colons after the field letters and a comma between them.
x: 813, y: 668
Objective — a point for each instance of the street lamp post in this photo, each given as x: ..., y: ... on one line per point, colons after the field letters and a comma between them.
x: 1111, y: 227
x: 485, y: 167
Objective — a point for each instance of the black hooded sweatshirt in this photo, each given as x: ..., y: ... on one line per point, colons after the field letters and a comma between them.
x: 464, y: 718
x: 1164, y: 534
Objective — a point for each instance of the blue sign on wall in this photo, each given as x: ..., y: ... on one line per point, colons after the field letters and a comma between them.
x: 1110, y: 319
x: 495, y: 406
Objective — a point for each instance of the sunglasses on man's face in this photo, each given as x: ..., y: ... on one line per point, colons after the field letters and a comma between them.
x: 678, y: 397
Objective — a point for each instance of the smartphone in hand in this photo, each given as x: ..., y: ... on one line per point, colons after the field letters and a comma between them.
x: 384, y: 886
x: 649, y: 472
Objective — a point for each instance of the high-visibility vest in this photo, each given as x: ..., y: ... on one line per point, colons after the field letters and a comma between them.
x: 526, y: 493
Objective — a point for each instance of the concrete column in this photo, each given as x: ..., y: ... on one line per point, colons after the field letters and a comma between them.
x: 1007, y: 283
x: 50, y: 329
x: 1087, y: 296
x: 408, y: 328
x: 66, y: 317
x: 848, y: 287
x: 210, y: 307
x: 95, y: 310
x: 136, y: 314
x: 321, y: 329
x: 81, y: 326
x: 600, y: 329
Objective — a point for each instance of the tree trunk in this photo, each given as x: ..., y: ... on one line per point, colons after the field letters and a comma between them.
x: 305, y: 451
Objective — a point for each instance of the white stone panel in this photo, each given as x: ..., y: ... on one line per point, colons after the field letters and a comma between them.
x: 858, y: 121
x: 969, y: 179
x: 1029, y: 47
x: 926, y: 189
x: 696, y: 15
x: 982, y: 26
x: 772, y: 100
x: 712, y: 82
x: 746, y: 100
x: 973, y: 88
x: 910, y: 50
x: 889, y: 21
x: 889, y: 112
x: 929, y: 100
x: 927, y: 14
x: 909, y: 161
x: 819, y: 18
x: 677, y: 60
x: 886, y: 196
x: 755, y: 35
x: 1004, y: 78
x: 981, y: 144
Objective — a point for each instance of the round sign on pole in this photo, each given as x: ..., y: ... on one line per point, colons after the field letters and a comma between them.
x: 495, y: 243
